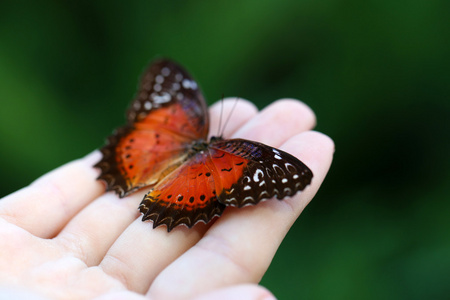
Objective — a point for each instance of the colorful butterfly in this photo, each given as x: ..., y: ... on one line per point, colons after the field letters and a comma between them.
x: 164, y: 147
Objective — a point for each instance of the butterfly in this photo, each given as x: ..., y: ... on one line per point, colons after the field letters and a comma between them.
x: 164, y: 147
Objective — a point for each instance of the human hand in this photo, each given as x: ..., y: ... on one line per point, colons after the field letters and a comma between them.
x: 62, y: 237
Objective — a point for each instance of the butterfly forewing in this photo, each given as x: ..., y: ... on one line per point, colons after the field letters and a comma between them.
x: 165, y: 84
x: 167, y: 115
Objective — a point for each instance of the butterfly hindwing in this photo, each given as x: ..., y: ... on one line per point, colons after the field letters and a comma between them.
x: 186, y: 196
x: 168, y: 114
x: 265, y: 172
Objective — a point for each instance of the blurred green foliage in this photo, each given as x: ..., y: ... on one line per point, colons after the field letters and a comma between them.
x: 376, y: 73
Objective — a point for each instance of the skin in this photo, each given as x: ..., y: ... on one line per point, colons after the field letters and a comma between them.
x: 62, y: 237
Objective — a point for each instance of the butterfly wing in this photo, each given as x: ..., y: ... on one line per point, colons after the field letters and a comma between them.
x: 233, y: 172
x: 186, y: 196
x: 167, y: 115
x: 248, y: 172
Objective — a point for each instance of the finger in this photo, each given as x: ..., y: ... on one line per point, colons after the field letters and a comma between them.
x: 46, y: 205
x: 140, y: 253
x: 237, y: 109
x: 242, y: 243
x: 244, y: 291
x: 270, y: 125
x: 92, y: 232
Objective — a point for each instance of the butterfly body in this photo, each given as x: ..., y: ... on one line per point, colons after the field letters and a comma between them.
x: 164, y: 147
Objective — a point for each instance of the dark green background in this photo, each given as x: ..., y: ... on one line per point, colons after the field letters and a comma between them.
x: 375, y: 72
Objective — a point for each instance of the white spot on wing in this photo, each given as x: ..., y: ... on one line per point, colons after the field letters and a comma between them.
x: 278, y: 170
x: 175, y: 86
x: 189, y: 84
x: 277, y: 156
x: 232, y: 201
x: 247, y: 187
x: 284, y: 180
x: 295, y: 176
x: 186, y: 84
x: 287, y: 165
x: 157, y: 87
x: 165, y: 71
x: 178, y: 77
x: 256, y: 175
x: 163, y: 98
x: 264, y: 194
x: 148, y: 105
x: 159, y: 79
x: 248, y: 199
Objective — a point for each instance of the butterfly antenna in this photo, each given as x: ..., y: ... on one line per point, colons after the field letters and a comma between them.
x: 221, y: 114
x: 229, y: 116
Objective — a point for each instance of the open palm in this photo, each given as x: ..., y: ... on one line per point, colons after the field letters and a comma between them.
x: 62, y: 237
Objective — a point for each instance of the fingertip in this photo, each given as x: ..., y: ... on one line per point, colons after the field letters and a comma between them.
x: 295, y: 107
x: 239, y: 111
x: 92, y: 158
x: 228, y: 103
x: 277, y: 122
x: 320, y: 141
x: 313, y: 148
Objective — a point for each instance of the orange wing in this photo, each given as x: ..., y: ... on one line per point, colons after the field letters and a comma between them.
x: 186, y: 196
x: 167, y: 116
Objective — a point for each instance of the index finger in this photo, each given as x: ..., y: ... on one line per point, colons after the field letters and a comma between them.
x: 47, y: 204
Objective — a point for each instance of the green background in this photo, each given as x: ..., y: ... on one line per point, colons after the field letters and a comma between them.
x: 375, y: 72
